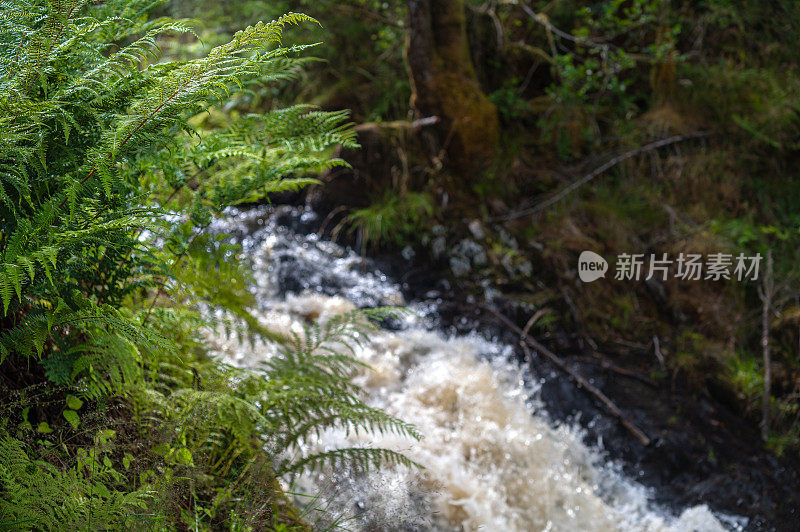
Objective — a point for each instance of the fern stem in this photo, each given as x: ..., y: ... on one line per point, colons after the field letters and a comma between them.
x: 160, y: 106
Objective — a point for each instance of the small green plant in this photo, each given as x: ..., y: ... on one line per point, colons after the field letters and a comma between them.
x: 392, y: 219
x: 510, y: 105
x: 747, y: 379
x: 38, y: 495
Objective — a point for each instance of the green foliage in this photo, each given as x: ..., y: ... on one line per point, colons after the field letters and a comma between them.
x: 107, y: 184
x: 38, y: 495
x: 614, y: 49
x: 510, y: 105
x: 302, y: 391
x: 394, y: 219
x: 361, y: 65
x: 747, y: 379
x: 759, y: 104
x: 85, y: 129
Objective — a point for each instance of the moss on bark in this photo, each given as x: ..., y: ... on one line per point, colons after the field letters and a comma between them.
x: 444, y: 84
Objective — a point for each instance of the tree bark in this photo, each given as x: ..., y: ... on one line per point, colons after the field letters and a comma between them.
x: 444, y: 84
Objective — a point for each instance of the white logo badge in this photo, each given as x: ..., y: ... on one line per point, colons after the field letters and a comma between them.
x: 591, y: 266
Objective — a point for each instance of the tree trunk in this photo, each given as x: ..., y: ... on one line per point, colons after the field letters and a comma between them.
x: 444, y: 84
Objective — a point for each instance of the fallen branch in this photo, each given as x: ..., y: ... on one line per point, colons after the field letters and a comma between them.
x: 609, y: 405
x: 599, y: 361
x: 427, y: 121
x: 597, y: 171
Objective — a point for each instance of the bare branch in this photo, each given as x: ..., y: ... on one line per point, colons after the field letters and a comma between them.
x: 597, y: 171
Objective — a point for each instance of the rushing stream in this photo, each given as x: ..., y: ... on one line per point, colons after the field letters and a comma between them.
x: 493, y: 460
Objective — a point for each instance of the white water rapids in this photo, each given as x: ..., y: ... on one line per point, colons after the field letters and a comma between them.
x: 493, y: 461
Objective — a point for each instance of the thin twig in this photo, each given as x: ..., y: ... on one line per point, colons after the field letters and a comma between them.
x: 597, y: 171
x: 658, y: 353
x: 541, y: 19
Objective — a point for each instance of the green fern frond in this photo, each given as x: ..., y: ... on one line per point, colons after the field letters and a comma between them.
x: 351, y: 458
x: 38, y: 496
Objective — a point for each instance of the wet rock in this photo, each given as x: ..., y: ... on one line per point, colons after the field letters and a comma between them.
x: 460, y: 266
x: 438, y: 246
x: 476, y: 228
x: 466, y: 255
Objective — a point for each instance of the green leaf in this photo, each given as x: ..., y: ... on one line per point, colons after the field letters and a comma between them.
x: 13, y: 272
x: 6, y: 293
x: 66, y: 127
x: 74, y: 403
x: 102, y: 490
x: 26, y: 424
x: 44, y: 428
x: 38, y: 335
x: 105, y: 435
x: 72, y: 417
x: 28, y: 265
x: 47, y: 273
x: 126, y: 461
x: 162, y: 449
x: 183, y: 456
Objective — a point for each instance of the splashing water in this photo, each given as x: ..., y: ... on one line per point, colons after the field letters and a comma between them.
x: 492, y: 460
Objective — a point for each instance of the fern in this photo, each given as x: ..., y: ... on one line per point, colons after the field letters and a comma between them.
x: 304, y: 391
x: 392, y: 218
x: 107, y: 187
x: 36, y: 495
x: 87, y: 129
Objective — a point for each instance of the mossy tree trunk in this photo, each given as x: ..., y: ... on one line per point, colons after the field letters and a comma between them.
x: 445, y: 85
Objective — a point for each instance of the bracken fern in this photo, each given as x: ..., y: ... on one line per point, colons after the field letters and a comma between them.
x: 107, y: 273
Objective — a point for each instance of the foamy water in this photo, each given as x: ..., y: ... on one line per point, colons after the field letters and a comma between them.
x: 492, y: 459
